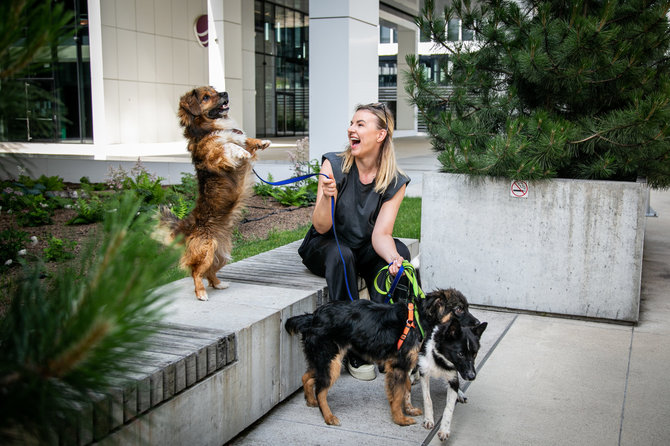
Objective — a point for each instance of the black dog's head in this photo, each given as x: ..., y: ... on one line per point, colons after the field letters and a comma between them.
x: 459, y: 344
x: 201, y: 105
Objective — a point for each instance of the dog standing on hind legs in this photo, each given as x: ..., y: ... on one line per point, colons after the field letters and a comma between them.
x: 222, y: 156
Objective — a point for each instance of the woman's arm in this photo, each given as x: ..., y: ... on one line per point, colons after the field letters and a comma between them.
x: 321, y: 217
x: 382, y: 234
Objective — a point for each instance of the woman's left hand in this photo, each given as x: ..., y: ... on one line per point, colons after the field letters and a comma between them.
x: 395, y: 266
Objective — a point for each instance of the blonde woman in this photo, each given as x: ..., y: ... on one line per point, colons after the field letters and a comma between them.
x: 368, y: 188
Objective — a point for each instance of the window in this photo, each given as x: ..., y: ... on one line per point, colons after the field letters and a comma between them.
x: 282, y: 85
x: 51, y: 99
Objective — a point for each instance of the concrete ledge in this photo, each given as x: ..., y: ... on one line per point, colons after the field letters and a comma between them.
x: 217, y: 366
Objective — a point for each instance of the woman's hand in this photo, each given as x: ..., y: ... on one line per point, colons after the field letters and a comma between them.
x: 328, y: 187
x: 321, y: 217
x: 395, y: 266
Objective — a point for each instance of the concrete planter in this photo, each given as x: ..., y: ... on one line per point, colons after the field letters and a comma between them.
x: 570, y: 247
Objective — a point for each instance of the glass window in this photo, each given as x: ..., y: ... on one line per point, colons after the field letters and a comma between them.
x: 467, y: 34
x: 51, y: 99
x: 282, y: 95
x: 453, y: 30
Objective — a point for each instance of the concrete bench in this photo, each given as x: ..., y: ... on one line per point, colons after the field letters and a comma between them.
x: 214, y: 367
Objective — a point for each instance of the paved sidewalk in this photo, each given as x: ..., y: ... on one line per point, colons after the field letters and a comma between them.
x: 542, y: 380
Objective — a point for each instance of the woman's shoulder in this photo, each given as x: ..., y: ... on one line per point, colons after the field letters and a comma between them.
x: 336, y: 160
x: 396, y: 184
x: 333, y: 157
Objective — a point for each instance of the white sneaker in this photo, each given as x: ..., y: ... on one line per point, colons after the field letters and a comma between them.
x: 364, y: 372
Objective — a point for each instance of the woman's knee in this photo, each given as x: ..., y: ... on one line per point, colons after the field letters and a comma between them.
x: 333, y: 255
x: 402, y: 249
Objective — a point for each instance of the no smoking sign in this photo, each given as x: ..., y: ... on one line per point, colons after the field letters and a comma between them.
x: 519, y: 189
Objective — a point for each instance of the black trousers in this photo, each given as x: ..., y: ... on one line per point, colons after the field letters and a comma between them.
x: 320, y: 255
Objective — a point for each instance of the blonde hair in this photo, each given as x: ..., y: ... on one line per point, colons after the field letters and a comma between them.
x: 387, y: 167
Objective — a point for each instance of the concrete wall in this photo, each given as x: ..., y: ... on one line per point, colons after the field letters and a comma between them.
x: 569, y: 247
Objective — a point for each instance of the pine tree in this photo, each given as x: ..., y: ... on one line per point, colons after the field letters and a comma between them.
x: 569, y: 89
x: 63, y: 340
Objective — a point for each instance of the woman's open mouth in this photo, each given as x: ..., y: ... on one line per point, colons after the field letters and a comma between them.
x: 354, y: 142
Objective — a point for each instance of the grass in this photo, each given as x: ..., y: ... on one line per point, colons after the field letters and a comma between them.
x: 275, y: 239
x: 408, y: 221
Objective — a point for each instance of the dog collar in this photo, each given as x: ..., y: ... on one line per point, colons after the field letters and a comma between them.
x: 408, y: 326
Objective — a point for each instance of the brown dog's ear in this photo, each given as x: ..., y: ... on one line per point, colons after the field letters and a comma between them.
x: 189, y: 108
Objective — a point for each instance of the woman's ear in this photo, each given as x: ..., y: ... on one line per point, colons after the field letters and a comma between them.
x: 382, y: 135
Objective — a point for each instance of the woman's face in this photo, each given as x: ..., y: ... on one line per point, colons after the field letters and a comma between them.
x: 364, y: 136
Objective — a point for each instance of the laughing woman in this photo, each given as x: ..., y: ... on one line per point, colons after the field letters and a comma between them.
x: 368, y: 188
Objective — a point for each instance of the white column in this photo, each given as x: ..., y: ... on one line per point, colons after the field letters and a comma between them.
x: 343, y: 68
x: 97, y: 78
x: 247, y: 119
x: 408, y: 43
x: 229, y: 54
x: 217, y: 71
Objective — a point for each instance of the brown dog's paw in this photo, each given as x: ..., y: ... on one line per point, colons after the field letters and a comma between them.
x: 414, y: 411
x: 201, y: 295
x: 404, y: 421
x: 332, y: 421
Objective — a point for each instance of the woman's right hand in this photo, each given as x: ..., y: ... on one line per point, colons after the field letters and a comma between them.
x: 328, y: 186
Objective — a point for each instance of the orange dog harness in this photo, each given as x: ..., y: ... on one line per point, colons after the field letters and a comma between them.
x: 408, y: 326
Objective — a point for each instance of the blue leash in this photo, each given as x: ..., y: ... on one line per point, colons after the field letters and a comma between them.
x: 332, y: 215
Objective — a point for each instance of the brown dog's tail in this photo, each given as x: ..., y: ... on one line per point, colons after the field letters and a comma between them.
x: 299, y: 324
x: 169, y: 226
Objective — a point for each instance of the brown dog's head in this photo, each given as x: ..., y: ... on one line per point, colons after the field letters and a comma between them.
x: 202, y: 105
x: 441, y: 305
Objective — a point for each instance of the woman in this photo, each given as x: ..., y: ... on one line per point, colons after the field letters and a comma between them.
x: 368, y: 188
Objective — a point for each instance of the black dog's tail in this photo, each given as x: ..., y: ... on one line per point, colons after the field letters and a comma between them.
x: 298, y: 324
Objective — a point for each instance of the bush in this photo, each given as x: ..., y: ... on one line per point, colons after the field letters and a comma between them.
x: 11, y: 242
x: 58, y: 250
x: 146, y: 186
x: 36, y: 212
x: 91, y: 211
x: 549, y: 89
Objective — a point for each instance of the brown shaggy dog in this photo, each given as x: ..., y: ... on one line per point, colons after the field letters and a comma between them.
x: 222, y: 157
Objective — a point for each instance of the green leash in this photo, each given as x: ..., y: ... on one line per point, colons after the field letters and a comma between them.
x: 410, y: 272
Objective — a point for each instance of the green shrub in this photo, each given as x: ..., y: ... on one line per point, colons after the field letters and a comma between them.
x: 263, y: 189
x: 188, y: 186
x: 36, y: 212
x: 292, y: 195
x: 11, y: 242
x: 146, y: 186
x: 182, y: 208
x: 88, y: 211
x: 58, y: 250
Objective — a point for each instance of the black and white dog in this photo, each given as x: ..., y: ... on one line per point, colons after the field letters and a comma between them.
x: 449, y: 349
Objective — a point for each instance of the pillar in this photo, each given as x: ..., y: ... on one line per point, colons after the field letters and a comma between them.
x: 343, y: 68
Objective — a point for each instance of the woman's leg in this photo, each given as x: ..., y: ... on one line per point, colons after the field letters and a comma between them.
x: 322, y: 257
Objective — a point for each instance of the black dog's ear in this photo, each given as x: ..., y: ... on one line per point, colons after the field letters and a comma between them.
x: 479, y: 329
x: 189, y: 108
x: 454, y: 330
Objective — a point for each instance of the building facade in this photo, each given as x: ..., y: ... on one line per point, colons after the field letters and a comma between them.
x: 291, y: 68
